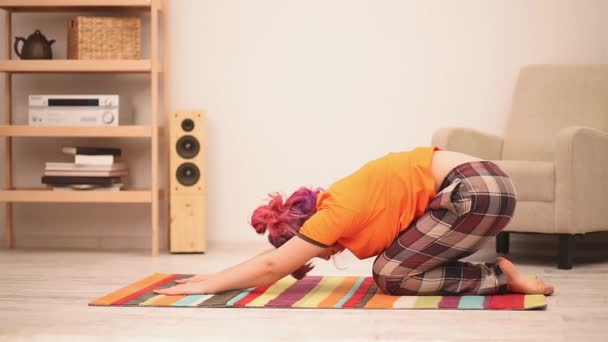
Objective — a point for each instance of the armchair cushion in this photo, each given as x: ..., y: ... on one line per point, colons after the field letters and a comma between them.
x: 469, y: 141
x: 533, y: 181
x: 533, y: 217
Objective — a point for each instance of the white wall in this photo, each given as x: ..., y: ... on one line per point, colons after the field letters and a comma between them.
x: 304, y: 92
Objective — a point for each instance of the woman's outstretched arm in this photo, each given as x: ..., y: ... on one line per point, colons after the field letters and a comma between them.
x: 263, y: 269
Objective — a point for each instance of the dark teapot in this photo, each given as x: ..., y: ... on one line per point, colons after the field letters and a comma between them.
x: 34, y: 47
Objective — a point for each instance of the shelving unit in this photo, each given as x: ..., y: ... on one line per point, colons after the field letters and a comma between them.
x: 153, y: 132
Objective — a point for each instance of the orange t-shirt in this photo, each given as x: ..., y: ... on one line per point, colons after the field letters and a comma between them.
x: 366, y: 211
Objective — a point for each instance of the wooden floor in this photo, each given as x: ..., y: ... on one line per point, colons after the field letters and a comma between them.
x: 44, y: 295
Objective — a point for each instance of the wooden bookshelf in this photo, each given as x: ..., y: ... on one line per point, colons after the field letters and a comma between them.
x: 72, y: 66
x: 153, y: 131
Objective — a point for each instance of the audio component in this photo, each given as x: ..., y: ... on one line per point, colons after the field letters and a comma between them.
x: 73, y: 110
x: 187, y: 182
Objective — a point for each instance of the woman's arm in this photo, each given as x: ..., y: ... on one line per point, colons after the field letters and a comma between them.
x: 263, y: 269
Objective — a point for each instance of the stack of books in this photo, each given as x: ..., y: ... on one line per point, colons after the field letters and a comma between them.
x: 94, y: 168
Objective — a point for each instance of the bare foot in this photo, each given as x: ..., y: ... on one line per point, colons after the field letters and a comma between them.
x: 518, y: 283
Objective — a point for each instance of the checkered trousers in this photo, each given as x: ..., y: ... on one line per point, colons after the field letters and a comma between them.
x: 474, y: 203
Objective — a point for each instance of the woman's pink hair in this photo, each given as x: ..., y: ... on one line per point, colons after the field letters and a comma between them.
x: 284, y: 219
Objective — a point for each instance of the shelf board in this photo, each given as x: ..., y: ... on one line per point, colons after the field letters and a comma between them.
x: 69, y: 131
x: 75, y: 65
x: 50, y: 196
x: 74, y: 5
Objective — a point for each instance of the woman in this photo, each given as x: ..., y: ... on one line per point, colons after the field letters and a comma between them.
x: 418, y: 212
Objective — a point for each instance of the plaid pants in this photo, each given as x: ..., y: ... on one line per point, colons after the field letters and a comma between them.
x: 474, y: 203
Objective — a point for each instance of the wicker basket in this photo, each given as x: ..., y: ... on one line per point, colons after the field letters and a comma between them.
x: 104, y: 38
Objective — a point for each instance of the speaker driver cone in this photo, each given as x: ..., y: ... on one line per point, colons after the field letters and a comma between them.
x: 187, y: 174
x: 187, y: 125
x: 187, y: 147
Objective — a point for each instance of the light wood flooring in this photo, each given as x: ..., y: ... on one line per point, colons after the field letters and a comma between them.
x: 44, y: 296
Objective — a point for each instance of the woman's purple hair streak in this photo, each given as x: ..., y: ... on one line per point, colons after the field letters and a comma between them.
x: 284, y: 219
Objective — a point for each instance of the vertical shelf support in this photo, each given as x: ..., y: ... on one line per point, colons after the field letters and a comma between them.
x: 154, y: 106
x: 165, y: 116
x: 8, y: 161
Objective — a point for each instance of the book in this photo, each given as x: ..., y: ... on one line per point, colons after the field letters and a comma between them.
x: 69, y: 180
x: 55, y: 166
x: 114, y: 187
x: 87, y: 173
x: 83, y: 159
x: 92, y: 151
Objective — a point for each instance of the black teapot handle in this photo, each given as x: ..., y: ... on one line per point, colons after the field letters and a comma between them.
x: 17, y: 40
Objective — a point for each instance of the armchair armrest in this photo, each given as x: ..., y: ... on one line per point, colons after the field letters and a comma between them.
x: 469, y: 141
x: 581, y: 180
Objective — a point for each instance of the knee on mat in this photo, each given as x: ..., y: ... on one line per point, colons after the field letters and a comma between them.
x: 403, y: 286
x: 390, y: 285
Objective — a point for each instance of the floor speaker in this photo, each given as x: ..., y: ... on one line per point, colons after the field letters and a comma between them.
x: 187, y: 182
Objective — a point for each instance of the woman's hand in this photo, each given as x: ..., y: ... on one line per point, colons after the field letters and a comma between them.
x: 195, y: 279
x: 184, y: 289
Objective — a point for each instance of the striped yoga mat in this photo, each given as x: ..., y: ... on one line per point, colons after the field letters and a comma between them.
x: 310, y: 292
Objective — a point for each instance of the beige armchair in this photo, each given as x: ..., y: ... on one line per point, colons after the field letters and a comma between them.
x: 556, y: 151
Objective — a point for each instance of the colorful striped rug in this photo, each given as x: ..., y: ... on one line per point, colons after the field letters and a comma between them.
x: 310, y: 292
